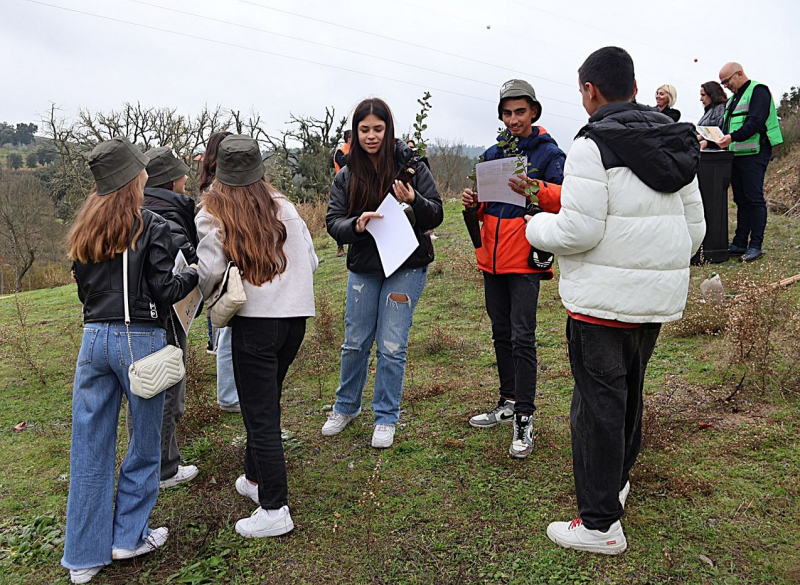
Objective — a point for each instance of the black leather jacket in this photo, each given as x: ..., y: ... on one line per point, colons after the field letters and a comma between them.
x: 152, y: 288
x: 362, y: 255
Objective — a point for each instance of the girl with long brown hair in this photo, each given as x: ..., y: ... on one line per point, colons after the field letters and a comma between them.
x: 102, y: 527
x: 379, y: 308
x: 244, y: 220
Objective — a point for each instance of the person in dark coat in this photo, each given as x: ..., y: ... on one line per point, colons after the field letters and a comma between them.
x: 666, y: 96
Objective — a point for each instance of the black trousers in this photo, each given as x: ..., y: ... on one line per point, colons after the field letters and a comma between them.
x: 511, y: 301
x: 263, y: 350
x: 608, y: 365
x: 747, y: 182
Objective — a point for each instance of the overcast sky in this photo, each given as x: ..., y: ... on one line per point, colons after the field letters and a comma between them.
x: 262, y: 55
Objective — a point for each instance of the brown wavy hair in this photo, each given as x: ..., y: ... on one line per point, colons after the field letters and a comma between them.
x: 715, y: 92
x: 106, y: 224
x: 208, y: 166
x: 253, y: 235
x: 369, y: 183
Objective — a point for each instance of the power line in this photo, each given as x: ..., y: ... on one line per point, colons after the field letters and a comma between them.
x: 327, y: 46
x: 396, y: 40
x: 234, y: 45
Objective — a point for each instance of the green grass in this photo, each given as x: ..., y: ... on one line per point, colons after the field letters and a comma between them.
x: 446, y: 504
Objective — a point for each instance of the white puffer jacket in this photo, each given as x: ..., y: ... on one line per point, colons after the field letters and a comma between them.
x: 623, y: 248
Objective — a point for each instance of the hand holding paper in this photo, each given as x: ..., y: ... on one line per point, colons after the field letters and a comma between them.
x: 393, y: 235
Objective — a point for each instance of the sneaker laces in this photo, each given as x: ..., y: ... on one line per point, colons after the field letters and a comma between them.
x: 520, y: 427
x: 575, y: 523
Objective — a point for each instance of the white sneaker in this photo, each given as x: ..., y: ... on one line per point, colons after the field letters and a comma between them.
x: 336, y: 423
x: 623, y: 494
x: 575, y: 535
x: 83, y: 575
x: 383, y: 436
x: 156, y: 539
x: 502, y: 413
x: 185, y: 473
x: 247, y: 489
x: 263, y: 523
x: 522, y: 439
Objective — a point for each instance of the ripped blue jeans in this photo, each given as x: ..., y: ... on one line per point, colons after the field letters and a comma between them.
x: 381, y: 309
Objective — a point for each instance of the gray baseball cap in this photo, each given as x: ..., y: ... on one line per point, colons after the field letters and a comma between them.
x: 517, y: 88
x: 163, y: 166
x: 239, y: 161
x: 115, y: 163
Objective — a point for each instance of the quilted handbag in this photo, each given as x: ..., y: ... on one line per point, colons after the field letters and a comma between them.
x: 227, y: 297
x: 158, y: 371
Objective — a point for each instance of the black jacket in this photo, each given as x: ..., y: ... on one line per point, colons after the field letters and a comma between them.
x: 662, y: 153
x: 672, y: 113
x: 152, y: 288
x: 178, y: 210
x: 362, y: 255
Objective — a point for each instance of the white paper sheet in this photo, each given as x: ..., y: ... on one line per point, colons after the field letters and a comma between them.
x: 492, y: 178
x: 710, y: 133
x: 393, y: 235
x: 186, y: 308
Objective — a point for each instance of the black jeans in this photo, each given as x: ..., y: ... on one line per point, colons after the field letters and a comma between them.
x: 511, y: 301
x: 263, y: 350
x: 747, y: 181
x: 608, y: 365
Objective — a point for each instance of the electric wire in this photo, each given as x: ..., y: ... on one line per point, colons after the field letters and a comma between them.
x: 274, y: 54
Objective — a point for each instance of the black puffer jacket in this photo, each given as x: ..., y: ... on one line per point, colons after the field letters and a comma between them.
x: 152, y: 288
x: 362, y: 255
x: 178, y: 210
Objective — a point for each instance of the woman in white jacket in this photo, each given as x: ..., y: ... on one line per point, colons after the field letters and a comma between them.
x: 631, y: 217
x: 245, y: 221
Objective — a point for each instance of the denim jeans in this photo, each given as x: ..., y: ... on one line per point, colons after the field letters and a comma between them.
x: 226, y: 384
x: 747, y: 182
x: 263, y: 350
x: 95, y: 524
x: 608, y: 365
x: 511, y: 301
x: 371, y: 314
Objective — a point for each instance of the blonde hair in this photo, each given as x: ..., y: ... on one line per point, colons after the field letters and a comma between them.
x: 671, y: 92
x: 105, y: 224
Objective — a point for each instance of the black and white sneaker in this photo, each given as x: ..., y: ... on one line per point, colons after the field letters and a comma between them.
x: 522, y: 442
x: 502, y: 413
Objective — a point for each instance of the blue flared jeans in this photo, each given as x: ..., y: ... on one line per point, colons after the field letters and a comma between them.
x: 374, y: 313
x: 97, y: 518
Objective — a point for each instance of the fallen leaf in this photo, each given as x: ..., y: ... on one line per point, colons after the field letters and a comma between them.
x: 707, y: 561
x: 705, y: 425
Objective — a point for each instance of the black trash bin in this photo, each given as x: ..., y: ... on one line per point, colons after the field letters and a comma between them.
x: 714, y: 176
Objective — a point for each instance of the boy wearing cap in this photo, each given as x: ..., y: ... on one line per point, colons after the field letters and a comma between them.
x: 630, y: 220
x: 164, y: 195
x: 512, y: 270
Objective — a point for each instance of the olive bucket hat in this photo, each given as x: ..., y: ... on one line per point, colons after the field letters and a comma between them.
x: 239, y: 161
x: 517, y: 88
x: 164, y: 166
x: 115, y: 163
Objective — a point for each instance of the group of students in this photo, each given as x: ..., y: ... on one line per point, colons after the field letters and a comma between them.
x: 622, y: 212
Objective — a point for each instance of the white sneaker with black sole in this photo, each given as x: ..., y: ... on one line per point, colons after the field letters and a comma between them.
x: 262, y: 523
x: 336, y: 423
x: 576, y: 536
x: 502, y: 413
x: 185, y: 473
x: 522, y: 440
x: 155, y: 539
x: 247, y: 489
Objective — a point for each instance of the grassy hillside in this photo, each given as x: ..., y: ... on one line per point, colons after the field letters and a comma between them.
x: 714, y: 496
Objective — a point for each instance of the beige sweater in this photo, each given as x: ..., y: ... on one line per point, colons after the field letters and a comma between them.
x: 290, y: 294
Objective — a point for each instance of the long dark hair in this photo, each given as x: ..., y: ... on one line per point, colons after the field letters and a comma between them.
x: 208, y: 167
x: 369, y: 183
x: 715, y: 92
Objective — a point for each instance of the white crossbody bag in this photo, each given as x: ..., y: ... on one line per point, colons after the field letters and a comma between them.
x: 156, y: 372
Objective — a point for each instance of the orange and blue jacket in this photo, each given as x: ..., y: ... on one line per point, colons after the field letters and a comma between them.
x: 505, y: 249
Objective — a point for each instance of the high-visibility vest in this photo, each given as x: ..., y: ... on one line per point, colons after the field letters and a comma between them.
x: 736, y: 117
x: 345, y: 148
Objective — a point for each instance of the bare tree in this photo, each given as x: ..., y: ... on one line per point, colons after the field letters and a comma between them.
x: 450, y: 165
x: 27, y: 223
